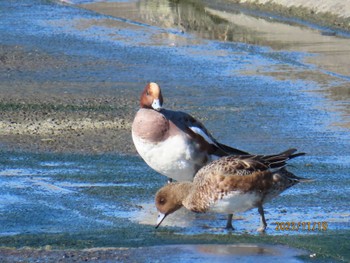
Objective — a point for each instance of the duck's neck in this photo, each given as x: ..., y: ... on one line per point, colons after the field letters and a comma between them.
x: 183, y: 190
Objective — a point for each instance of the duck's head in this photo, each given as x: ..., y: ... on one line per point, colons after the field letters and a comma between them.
x: 151, y: 97
x: 169, y: 199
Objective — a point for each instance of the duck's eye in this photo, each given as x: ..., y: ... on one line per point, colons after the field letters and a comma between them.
x: 147, y: 93
x: 162, y: 201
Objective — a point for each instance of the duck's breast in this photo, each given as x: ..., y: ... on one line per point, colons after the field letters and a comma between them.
x: 150, y: 125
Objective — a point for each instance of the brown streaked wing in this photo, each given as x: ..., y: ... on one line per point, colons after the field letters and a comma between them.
x: 231, y: 166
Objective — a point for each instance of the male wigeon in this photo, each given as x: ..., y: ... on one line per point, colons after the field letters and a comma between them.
x: 172, y: 142
x: 230, y: 184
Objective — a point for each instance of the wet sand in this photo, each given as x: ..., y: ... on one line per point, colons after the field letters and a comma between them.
x: 60, y: 116
x: 70, y: 126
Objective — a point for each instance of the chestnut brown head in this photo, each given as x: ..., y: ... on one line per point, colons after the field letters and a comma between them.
x: 169, y: 199
x: 151, y: 97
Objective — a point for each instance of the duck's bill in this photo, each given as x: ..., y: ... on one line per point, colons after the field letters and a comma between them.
x: 160, y: 219
x: 156, y: 105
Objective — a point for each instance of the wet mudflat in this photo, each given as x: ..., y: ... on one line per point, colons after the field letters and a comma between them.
x: 70, y: 179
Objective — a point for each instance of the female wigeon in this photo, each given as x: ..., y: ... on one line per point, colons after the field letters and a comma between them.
x: 172, y: 142
x: 230, y: 184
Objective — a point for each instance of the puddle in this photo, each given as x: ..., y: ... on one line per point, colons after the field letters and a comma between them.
x: 223, y: 253
x: 167, y: 253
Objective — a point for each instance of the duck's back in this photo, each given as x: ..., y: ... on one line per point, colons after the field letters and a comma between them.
x: 236, y: 184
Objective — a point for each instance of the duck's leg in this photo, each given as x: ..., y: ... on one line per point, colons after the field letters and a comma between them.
x: 229, y: 222
x: 262, y: 219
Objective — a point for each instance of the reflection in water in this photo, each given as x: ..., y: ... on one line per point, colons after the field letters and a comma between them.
x: 183, y: 16
x: 236, y: 250
x: 334, y: 51
x: 232, y: 253
x: 207, y: 21
x: 194, y: 17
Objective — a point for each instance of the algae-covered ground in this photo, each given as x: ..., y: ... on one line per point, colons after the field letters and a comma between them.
x: 72, y: 185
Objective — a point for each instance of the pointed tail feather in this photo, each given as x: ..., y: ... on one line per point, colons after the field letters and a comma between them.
x: 295, y: 178
x: 296, y: 155
x: 305, y: 180
x: 280, y: 160
x: 288, y: 154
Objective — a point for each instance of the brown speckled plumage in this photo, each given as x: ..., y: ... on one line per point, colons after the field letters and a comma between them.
x: 257, y: 177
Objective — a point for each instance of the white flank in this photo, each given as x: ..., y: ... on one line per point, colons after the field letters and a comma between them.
x: 202, y: 133
x: 235, y: 202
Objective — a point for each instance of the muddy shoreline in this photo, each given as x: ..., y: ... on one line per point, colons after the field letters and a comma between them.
x: 85, y: 125
x: 60, y: 116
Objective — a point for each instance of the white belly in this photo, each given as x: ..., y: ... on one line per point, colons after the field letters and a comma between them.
x: 174, y: 158
x: 235, y: 202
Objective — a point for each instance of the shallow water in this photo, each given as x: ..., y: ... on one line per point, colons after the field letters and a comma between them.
x: 255, y: 90
x: 71, y: 201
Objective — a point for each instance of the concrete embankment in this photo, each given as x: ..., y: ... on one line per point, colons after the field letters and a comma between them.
x: 332, y: 13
